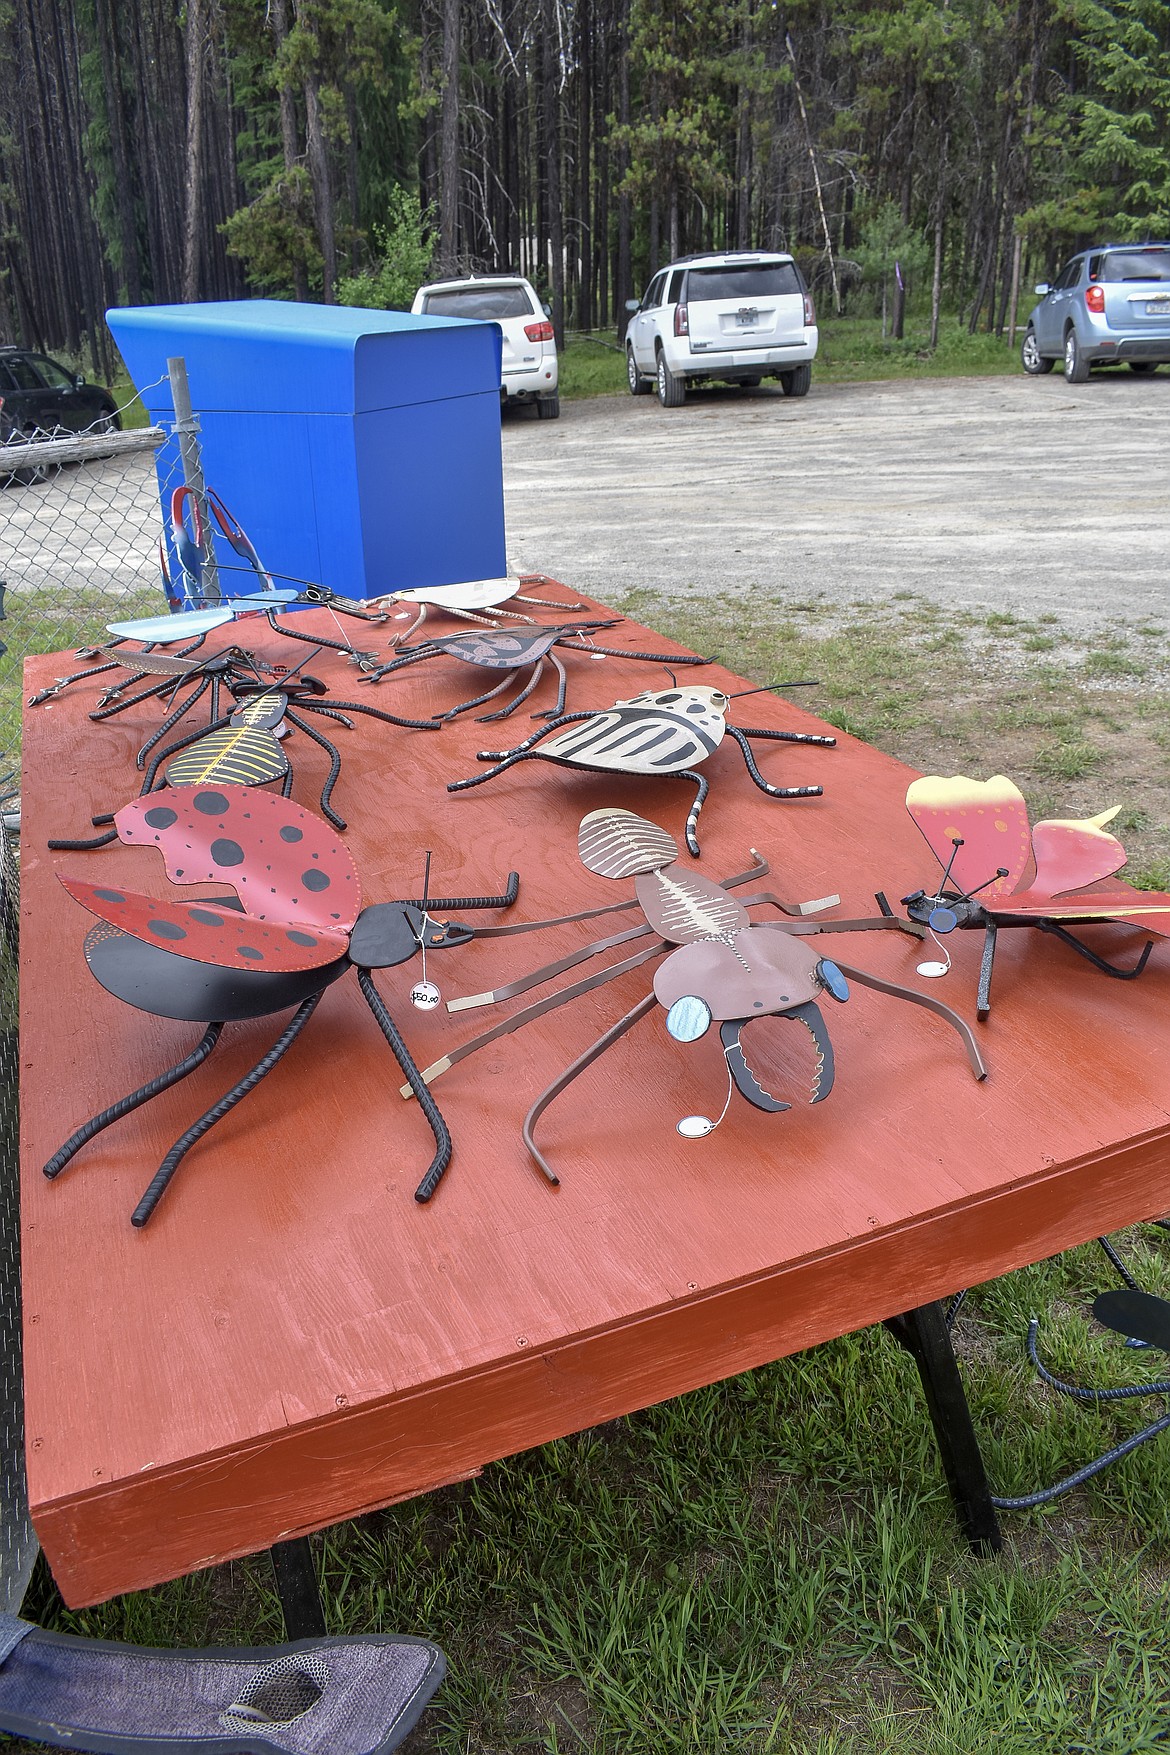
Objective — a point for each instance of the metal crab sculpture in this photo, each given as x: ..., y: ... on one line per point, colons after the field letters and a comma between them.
x: 663, y: 733
x: 243, y: 745
x: 511, y: 652
x: 1048, y: 877
x: 725, y: 968
x: 299, y: 927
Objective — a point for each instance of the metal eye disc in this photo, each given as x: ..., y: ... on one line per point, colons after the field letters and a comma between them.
x: 688, y: 1019
x: 943, y: 919
x: 832, y: 980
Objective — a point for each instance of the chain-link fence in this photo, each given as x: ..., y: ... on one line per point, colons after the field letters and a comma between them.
x: 80, y: 525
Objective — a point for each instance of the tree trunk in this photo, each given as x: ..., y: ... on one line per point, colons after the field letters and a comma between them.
x: 449, y: 140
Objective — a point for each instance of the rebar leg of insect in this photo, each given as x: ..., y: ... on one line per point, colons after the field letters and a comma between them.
x: 579, y: 1065
x: 986, y: 964
x: 172, y: 719
x: 1090, y: 956
x: 162, y: 1176
x: 403, y: 661
x: 511, y: 891
x: 307, y: 639
x: 331, y: 706
x: 701, y: 783
x: 759, y: 869
x: 772, y: 791
x: 156, y: 689
x: 135, y: 1100
x: 334, y: 765
x: 827, y: 743
x: 865, y: 979
x: 537, y: 673
x: 522, y: 753
x: 555, y: 711
x: 670, y: 658
x: 63, y: 682
x: 83, y: 846
x: 414, y: 1079
x: 478, y: 700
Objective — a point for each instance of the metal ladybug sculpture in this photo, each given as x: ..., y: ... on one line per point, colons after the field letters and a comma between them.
x: 511, y: 651
x: 299, y: 927
x: 998, y: 872
x: 663, y: 733
x: 725, y: 967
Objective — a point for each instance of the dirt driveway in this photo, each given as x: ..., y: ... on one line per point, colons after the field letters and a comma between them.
x: 1012, y: 493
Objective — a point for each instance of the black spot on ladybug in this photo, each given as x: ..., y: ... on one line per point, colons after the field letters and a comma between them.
x: 757, y: 1005
x: 166, y: 929
x: 301, y: 938
x: 695, y: 707
x: 205, y: 917
x: 289, y: 833
x: 109, y: 895
x: 225, y: 852
x: 668, y: 700
x: 161, y: 818
x: 210, y: 804
x: 251, y: 952
x: 315, y: 880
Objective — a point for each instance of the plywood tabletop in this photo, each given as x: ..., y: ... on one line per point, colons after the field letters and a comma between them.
x: 293, y: 1339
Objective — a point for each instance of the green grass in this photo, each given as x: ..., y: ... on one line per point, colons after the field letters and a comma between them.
x: 771, y: 1564
x: 851, y: 351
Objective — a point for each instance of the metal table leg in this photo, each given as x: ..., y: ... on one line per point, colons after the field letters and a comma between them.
x: 296, y: 1584
x: 924, y: 1334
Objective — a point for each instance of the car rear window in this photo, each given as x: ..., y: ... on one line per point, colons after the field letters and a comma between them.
x: 479, y: 301
x: 1137, y: 265
x: 742, y: 280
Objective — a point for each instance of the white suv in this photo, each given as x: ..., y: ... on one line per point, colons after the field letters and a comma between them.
x: 739, y: 317
x: 508, y: 301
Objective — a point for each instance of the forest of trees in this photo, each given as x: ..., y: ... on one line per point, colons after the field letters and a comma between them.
x: 942, y: 150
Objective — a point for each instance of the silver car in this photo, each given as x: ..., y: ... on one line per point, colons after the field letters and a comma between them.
x: 1109, y: 306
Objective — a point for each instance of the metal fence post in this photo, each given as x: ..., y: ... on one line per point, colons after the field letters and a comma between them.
x: 187, y: 428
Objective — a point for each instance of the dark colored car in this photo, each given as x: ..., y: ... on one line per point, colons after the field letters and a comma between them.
x: 38, y: 395
x: 1108, y: 307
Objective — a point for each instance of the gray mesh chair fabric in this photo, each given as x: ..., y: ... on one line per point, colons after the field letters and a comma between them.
x: 355, y: 1696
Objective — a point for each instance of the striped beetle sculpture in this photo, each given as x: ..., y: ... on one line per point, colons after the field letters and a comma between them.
x: 663, y: 732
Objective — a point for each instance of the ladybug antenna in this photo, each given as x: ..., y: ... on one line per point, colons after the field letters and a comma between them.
x: 671, y: 675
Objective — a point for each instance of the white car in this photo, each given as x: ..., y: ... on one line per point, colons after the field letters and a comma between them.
x: 740, y: 317
x: 508, y: 301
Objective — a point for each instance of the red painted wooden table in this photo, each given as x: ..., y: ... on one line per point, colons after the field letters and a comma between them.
x: 293, y: 1340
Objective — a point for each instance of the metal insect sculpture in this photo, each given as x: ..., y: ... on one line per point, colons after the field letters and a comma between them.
x: 998, y: 872
x: 299, y: 927
x: 465, y: 599
x: 725, y: 968
x: 510, y: 651
x: 663, y: 732
x: 241, y: 746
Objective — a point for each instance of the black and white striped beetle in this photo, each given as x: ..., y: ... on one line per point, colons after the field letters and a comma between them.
x: 661, y: 731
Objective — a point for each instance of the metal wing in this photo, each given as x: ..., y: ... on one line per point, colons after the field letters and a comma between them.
x: 210, y: 932
x: 618, y: 844
x: 285, y: 864
x: 685, y: 908
x: 236, y: 755
x: 1070, y: 855
x: 991, y: 819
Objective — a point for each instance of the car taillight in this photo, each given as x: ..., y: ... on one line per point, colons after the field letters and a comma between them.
x: 539, y: 331
x: 681, y: 320
x: 1095, y: 298
x: 810, y: 315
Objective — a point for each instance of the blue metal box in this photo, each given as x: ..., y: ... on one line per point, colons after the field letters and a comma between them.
x: 359, y: 449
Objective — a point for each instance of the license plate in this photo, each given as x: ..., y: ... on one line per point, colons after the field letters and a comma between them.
x: 746, y: 317
x: 1158, y: 308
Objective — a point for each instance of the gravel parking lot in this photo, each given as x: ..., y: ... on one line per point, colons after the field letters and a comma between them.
x: 1017, y: 493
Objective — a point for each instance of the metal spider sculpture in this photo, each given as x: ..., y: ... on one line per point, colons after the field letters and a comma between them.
x: 726, y: 967
x: 242, y: 745
x: 662, y: 732
x: 975, y: 827
x: 511, y: 652
x: 466, y: 599
x: 299, y: 927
